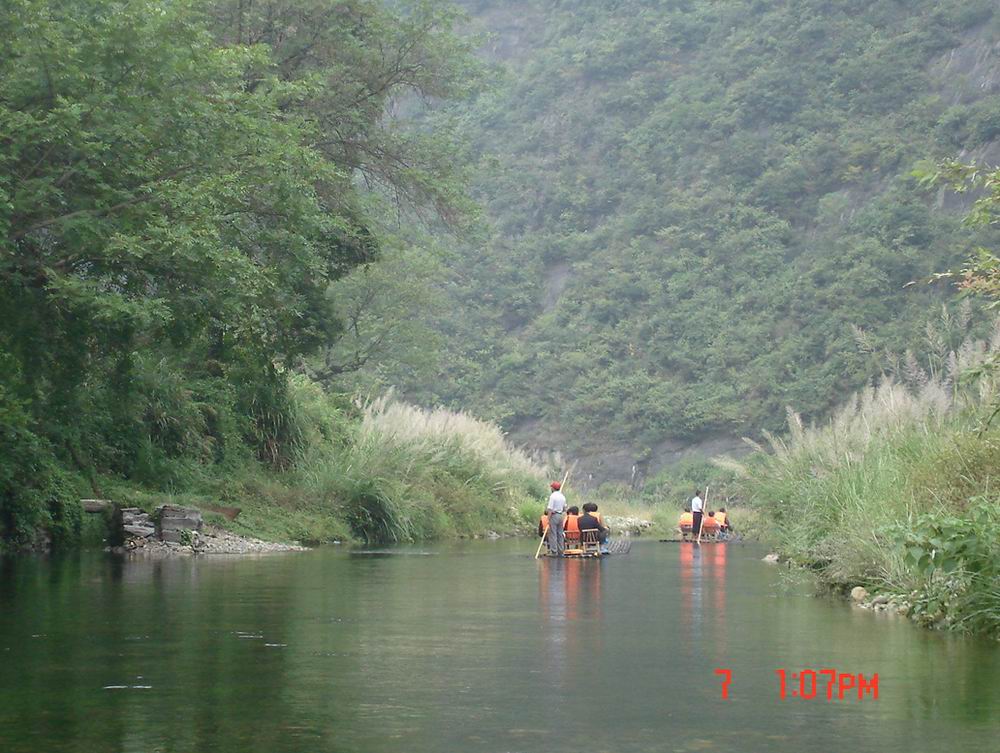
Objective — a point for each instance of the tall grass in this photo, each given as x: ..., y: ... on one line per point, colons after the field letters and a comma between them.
x: 850, y: 498
x: 407, y: 473
x: 377, y: 472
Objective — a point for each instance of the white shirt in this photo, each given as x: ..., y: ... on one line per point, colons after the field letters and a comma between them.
x: 557, y: 502
x: 697, y: 505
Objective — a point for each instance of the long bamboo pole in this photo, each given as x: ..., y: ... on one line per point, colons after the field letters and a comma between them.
x: 704, y: 506
x: 545, y: 531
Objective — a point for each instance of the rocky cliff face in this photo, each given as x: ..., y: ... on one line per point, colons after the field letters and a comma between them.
x: 968, y: 74
x: 970, y: 71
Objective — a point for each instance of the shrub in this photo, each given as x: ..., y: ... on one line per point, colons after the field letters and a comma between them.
x: 895, y: 492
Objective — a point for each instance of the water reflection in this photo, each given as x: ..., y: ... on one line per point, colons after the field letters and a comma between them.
x: 703, y: 589
x: 571, y: 603
x: 717, y: 555
x: 691, y: 590
x: 570, y: 590
x: 476, y: 650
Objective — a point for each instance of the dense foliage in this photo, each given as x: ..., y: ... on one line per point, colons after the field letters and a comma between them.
x: 895, y: 493
x: 898, y: 490
x: 698, y: 204
x: 180, y: 184
x: 378, y: 472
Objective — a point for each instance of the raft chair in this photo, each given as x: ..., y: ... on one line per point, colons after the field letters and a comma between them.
x: 590, y: 545
x: 573, y: 548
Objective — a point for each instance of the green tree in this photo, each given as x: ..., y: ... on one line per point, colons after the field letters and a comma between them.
x: 180, y: 185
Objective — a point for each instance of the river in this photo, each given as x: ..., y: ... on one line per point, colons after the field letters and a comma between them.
x: 470, y: 646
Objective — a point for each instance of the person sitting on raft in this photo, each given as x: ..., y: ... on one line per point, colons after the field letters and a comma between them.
x: 722, y: 518
x: 686, y: 523
x: 591, y: 520
x: 710, y: 526
x: 572, y: 527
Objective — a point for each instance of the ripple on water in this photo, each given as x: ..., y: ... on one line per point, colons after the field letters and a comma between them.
x: 389, y: 553
x: 127, y: 687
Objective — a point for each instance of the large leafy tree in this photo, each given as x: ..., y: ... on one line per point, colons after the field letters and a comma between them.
x: 180, y: 183
x: 152, y: 199
x: 371, y: 65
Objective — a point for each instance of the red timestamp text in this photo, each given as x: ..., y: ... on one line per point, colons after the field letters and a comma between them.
x: 811, y: 683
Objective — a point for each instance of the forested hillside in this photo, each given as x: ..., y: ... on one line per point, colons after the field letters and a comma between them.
x: 703, y: 212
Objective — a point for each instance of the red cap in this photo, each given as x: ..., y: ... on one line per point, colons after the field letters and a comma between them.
x: 556, y: 486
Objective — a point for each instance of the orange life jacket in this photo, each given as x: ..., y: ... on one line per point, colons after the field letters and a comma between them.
x: 687, y: 520
x: 709, y: 523
x: 720, y: 518
x: 543, y: 523
x: 572, y: 526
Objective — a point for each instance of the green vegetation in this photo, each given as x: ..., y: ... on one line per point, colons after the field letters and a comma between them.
x: 185, y: 190
x: 379, y: 473
x: 898, y: 492
x: 696, y: 204
x: 220, y: 220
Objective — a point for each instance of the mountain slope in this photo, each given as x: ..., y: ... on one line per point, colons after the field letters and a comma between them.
x: 698, y: 206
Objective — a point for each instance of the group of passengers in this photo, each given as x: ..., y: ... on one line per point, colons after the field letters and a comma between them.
x: 564, y: 526
x: 696, y: 524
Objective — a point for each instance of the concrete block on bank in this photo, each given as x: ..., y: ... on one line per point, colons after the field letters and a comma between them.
x: 134, y: 516
x: 180, y: 524
x: 143, y: 532
x: 172, y: 520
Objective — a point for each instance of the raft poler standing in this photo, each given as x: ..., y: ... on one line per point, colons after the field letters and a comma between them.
x: 697, y: 512
x: 556, y: 508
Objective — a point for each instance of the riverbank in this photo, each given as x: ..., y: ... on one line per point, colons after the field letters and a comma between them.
x: 380, y: 472
x: 895, y: 497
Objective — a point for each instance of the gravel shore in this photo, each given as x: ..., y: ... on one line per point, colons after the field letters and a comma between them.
x: 628, y: 526
x: 208, y: 541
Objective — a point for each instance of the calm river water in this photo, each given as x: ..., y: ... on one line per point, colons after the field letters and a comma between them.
x: 465, y: 647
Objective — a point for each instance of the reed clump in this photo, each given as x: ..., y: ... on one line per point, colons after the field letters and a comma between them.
x: 405, y: 473
x: 895, y: 491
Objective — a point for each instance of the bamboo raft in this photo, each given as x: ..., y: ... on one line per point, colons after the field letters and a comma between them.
x: 735, y: 538
x: 618, y: 546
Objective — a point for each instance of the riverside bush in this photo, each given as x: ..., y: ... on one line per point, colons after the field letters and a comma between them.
x: 895, y: 492
x: 958, y: 556
x: 36, y: 495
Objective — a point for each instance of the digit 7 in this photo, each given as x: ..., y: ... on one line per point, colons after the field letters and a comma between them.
x: 728, y: 673
x: 833, y: 681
